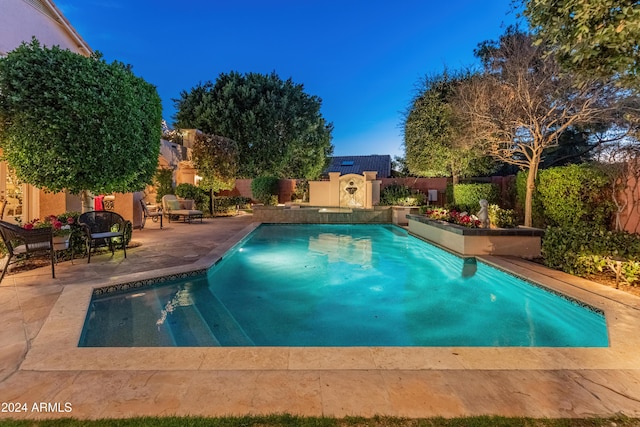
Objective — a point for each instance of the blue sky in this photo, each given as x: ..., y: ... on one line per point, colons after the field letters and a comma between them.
x: 363, y: 58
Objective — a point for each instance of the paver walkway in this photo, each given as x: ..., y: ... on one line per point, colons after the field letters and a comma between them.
x: 43, y: 374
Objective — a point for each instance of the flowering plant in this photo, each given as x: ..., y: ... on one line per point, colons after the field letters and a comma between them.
x: 441, y: 214
x: 61, y: 225
x: 455, y: 217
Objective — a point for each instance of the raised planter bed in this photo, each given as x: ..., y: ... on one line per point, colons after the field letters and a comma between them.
x: 523, y: 242
x: 399, y: 215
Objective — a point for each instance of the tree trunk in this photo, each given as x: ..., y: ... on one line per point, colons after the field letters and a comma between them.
x: 455, y: 179
x: 531, y: 186
x: 211, y: 203
x: 87, y: 201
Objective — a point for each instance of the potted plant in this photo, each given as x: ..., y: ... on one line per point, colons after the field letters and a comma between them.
x: 61, y: 226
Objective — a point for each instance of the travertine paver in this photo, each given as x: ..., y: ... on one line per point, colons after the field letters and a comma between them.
x: 41, y: 364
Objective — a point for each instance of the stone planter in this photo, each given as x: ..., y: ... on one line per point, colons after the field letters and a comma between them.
x: 60, y: 243
x: 522, y: 242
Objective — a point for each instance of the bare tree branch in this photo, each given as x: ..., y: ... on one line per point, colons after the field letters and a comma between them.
x: 522, y: 103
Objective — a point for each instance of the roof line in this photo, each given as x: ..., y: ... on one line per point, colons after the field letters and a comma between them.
x: 81, y: 43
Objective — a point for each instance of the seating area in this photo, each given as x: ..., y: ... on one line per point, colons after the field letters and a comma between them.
x: 174, y: 208
x: 104, y: 228
x: 22, y: 243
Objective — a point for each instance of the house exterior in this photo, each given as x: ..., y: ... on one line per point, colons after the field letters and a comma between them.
x: 21, y: 20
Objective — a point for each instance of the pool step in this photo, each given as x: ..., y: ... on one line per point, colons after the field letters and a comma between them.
x: 181, y: 319
x: 194, y: 330
x: 223, y: 325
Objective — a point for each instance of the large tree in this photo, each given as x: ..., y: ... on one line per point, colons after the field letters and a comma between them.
x: 216, y: 159
x: 593, y: 38
x: 75, y: 123
x: 432, y: 139
x: 522, y: 104
x: 278, y: 127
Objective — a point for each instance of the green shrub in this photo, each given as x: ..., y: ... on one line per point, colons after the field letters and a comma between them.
x: 302, y: 190
x: 264, y: 189
x: 229, y: 205
x: 575, y: 195
x: 502, y: 218
x: 164, y: 183
x: 197, y: 194
x: 448, y: 195
x: 243, y: 202
x: 631, y: 272
x: 400, y: 195
x: 584, y: 251
x: 466, y: 197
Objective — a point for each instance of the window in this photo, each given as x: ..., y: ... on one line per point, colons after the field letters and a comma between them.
x: 347, y: 163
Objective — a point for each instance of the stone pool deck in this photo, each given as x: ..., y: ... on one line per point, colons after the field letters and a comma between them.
x: 40, y: 363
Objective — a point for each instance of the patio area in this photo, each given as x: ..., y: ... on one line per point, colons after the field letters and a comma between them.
x: 41, y: 363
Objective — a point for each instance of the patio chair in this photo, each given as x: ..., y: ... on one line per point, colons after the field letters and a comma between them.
x: 147, y: 214
x: 104, y: 228
x: 172, y: 207
x: 22, y: 243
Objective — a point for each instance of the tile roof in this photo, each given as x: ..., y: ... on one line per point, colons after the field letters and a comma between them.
x: 359, y: 164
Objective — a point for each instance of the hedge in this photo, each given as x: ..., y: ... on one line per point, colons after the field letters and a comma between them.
x: 575, y: 195
x: 229, y: 205
x: 265, y: 189
x: 568, y: 196
x: 197, y: 194
x: 466, y: 197
x: 400, y: 195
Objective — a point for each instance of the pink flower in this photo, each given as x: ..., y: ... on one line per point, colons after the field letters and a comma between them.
x: 28, y: 226
x: 70, y: 220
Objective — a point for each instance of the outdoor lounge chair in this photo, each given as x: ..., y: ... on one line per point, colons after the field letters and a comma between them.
x: 104, y: 228
x: 172, y: 207
x: 21, y: 243
x: 147, y: 214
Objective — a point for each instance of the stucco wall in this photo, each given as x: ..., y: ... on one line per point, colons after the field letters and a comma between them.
x: 56, y: 203
x: 630, y: 216
x: 20, y: 21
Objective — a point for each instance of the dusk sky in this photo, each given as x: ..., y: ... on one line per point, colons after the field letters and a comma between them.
x: 363, y: 58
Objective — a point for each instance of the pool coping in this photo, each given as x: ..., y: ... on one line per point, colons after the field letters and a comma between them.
x: 55, y: 347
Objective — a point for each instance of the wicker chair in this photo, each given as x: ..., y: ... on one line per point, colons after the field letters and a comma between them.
x: 22, y: 243
x: 104, y: 228
x: 146, y: 214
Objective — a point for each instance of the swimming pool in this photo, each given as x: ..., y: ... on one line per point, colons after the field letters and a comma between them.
x: 342, y: 285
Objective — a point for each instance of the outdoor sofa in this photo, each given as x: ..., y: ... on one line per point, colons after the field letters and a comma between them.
x: 173, y: 208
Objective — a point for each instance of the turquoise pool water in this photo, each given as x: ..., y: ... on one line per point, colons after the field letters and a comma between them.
x: 343, y: 285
